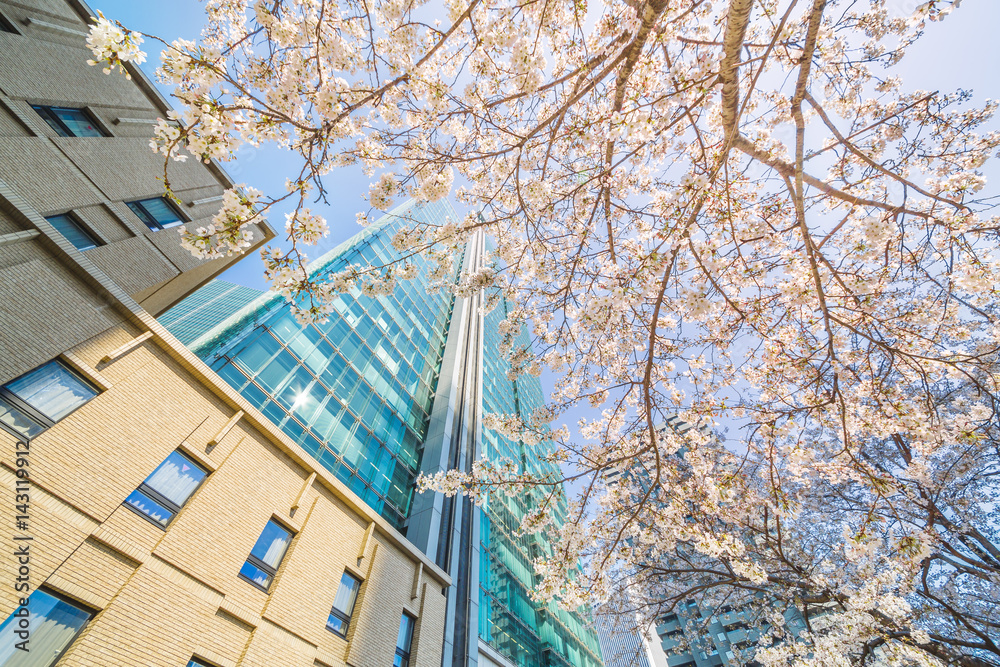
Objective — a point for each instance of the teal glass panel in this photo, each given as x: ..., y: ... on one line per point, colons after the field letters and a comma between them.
x: 236, y: 379
x: 293, y: 392
x: 305, y: 342
x: 285, y: 327
x: 276, y: 372
x: 317, y: 360
x: 254, y: 356
x: 73, y: 232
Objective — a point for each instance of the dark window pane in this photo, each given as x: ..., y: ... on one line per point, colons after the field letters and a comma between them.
x: 161, y: 211
x: 51, y: 120
x: 52, y: 389
x: 347, y: 594
x: 78, y: 121
x: 405, y: 633
x: 141, y: 213
x: 53, y: 625
x: 337, y: 624
x: 6, y: 25
x: 73, y: 232
x: 343, y: 604
x: 157, y: 213
x: 256, y: 575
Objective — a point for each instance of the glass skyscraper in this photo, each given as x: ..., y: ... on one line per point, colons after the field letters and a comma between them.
x: 206, y: 308
x: 356, y: 391
x: 395, y: 385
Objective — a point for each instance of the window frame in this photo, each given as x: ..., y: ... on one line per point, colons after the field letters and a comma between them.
x: 162, y: 500
x: 341, y: 615
x: 33, y: 413
x: 7, y: 26
x: 90, y: 611
x: 47, y: 113
x: 75, y: 221
x: 269, y: 570
x: 149, y: 220
x: 196, y: 661
x: 405, y: 654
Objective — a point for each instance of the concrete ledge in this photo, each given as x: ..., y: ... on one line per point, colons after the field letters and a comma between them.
x: 19, y: 237
x: 54, y: 27
x: 86, y: 370
x: 69, y: 589
x: 121, y: 544
x: 240, y: 613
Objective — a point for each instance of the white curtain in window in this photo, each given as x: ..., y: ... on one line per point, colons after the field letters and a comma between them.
x: 52, y: 390
x: 173, y: 483
x: 54, y: 624
x: 17, y: 420
x: 276, y: 551
x: 344, y: 601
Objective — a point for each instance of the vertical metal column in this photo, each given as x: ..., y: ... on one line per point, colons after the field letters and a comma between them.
x: 448, y: 528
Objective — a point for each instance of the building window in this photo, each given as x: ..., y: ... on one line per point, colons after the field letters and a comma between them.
x: 73, y: 231
x: 265, y: 558
x: 343, y: 604
x: 403, y: 641
x: 39, y: 398
x: 164, y: 493
x: 69, y: 122
x: 52, y: 625
x: 7, y: 26
x: 195, y: 662
x: 156, y: 213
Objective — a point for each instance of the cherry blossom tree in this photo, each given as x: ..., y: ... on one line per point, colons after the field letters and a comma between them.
x: 732, y: 211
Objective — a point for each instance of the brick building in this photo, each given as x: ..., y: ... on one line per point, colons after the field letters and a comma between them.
x: 155, y: 515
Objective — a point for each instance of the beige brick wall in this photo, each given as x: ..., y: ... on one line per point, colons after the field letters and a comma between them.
x: 158, y: 591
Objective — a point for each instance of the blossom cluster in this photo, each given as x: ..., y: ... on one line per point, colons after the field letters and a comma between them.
x: 731, y: 213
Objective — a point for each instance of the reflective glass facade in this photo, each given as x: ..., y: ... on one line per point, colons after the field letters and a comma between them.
x: 528, y: 633
x: 355, y: 392
x: 206, y: 308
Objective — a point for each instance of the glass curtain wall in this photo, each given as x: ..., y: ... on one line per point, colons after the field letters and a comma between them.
x: 356, y: 391
x: 528, y: 633
x: 206, y: 308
